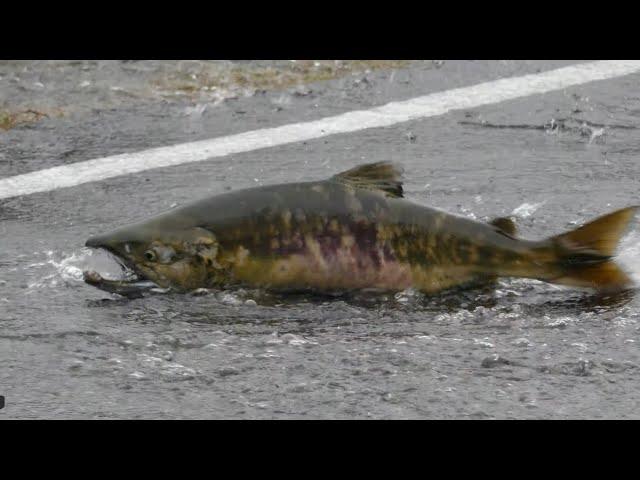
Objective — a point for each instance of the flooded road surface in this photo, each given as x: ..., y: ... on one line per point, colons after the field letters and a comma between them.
x: 523, y: 350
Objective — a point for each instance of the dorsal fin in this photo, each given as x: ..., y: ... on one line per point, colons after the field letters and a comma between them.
x: 383, y: 176
x: 505, y: 224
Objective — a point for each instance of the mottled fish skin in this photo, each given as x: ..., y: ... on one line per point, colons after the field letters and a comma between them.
x: 338, y: 238
x: 352, y: 231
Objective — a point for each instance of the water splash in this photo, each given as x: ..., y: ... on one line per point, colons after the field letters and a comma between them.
x: 408, y: 296
x: 69, y: 269
x: 629, y: 255
x: 526, y: 209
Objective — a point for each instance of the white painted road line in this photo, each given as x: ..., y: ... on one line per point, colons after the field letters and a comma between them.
x: 395, y: 112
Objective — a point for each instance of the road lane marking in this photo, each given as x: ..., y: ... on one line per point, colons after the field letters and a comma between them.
x: 434, y: 104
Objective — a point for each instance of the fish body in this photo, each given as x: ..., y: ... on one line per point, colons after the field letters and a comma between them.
x: 350, y: 232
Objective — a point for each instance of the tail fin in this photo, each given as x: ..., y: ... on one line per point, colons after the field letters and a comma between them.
x: 584, y: 254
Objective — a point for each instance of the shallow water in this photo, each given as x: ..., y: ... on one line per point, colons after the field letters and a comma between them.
x: 522, y: 350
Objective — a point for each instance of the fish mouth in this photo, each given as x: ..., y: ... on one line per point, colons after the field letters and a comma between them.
x: 99, y: 242
x: 128, y: 266
x: 134, y: 283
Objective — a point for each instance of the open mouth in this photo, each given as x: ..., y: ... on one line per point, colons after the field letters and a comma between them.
x: 129, y: 270
x: 133, y: 285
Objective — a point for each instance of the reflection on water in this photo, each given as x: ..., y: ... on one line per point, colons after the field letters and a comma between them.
x: 582, y: 303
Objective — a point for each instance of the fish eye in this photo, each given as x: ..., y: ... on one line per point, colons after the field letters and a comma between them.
x: 150, y: 255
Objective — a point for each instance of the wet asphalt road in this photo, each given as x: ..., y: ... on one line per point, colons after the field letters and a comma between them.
x: 525, y: 350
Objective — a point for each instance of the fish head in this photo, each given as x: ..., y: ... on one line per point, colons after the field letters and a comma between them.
x: 182, y: 258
